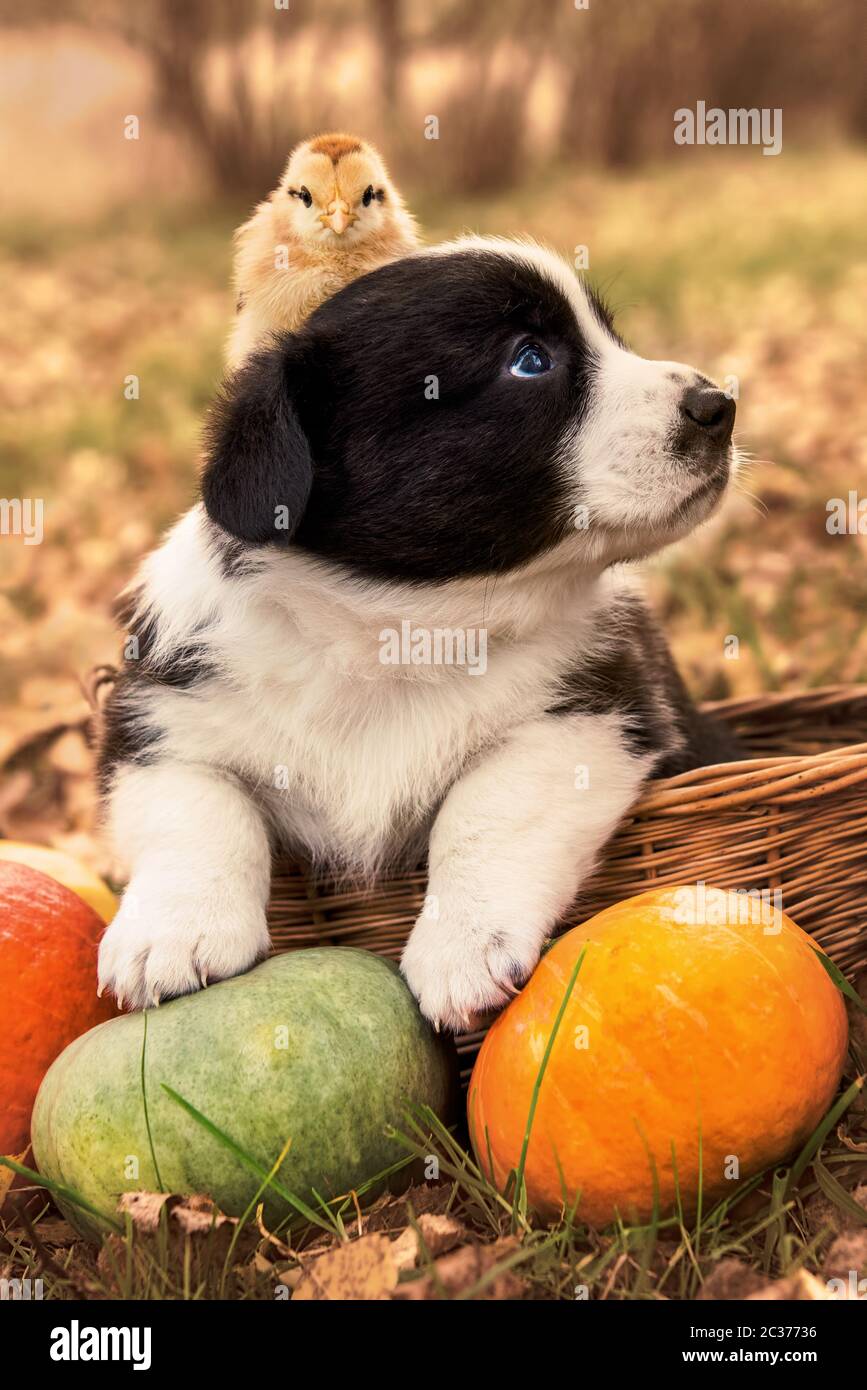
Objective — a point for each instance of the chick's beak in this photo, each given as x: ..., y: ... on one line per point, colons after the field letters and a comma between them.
x: 338, y: 216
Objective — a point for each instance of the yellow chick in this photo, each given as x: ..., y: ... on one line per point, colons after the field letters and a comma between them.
x: 334, y: 215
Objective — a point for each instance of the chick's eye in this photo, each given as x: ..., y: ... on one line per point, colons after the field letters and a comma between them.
x: 304, y: 195
x: 367, y: 196
x: 530, y: 360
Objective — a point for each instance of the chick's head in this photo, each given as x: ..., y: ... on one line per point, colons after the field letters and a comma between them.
x: 338, y: 191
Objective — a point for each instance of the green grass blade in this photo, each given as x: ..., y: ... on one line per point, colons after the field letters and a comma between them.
x: 841, y: 982
x: 700, y: 1195
x: 836, y: 1193
x: 144, y: 1101
x: 650, y: 1236
x: 821, y: 1132
x: 248, y: 1212
x: 777, y: 1228
x: 67, y: 1194
x: 537, y: 1086
x: 247, y: 1159
x: 518, y: 1257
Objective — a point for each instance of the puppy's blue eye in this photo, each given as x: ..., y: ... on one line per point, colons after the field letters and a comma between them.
x: 530, y: 360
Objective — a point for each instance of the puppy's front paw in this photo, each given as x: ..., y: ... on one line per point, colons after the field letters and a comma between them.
x: 460, y: 969
x: 161, y: 945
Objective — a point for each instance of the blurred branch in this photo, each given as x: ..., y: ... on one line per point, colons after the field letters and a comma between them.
x: 388, y: 25
x: 621, y: 70
x: 242, y: 152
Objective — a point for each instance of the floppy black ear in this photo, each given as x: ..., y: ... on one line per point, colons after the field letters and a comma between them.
x: 258, y: 471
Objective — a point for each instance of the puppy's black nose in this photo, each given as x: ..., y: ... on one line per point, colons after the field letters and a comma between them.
x: 711, y: 411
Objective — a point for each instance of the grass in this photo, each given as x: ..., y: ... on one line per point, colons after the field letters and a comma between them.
x: 768, y: 1224
x: 772, y: 1222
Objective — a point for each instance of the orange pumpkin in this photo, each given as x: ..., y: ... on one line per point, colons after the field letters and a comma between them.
x: 48, y: 944
x: 56, y: 863
x: 702, y: 1041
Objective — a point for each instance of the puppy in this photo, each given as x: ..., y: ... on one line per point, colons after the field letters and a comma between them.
x: 458, y: 442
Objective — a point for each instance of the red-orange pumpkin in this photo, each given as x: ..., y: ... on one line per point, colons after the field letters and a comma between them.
x: 48, y: 943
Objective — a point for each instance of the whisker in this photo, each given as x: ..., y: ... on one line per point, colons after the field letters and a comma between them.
x: 760, y: 506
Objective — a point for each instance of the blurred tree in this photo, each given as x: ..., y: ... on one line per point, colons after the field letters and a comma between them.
x: 241, y: 146
x: 176, y: 39
x: 388, y: 25
x: 482, y: 111
x: 621, y: 70
x: 629, y: 67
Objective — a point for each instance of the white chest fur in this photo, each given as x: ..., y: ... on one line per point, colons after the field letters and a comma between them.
x: 349, y: 750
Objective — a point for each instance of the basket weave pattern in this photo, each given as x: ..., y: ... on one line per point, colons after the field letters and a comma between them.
x: 792, y: 817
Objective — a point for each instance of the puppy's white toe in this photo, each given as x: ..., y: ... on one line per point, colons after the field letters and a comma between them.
x: 459, y: 972
x: 157, y: 949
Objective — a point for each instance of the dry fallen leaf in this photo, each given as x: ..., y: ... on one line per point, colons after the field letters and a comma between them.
x: 730, y: 1279
x: 144, y: 1208
x: 435, y: 1235
x: 7, y: 1176
x: 461, y: 1271
x: 197, y: 1232
x: 198, y: 1215
x: 404, y: 1250
x: 391, y: 1213
x: 802, y: 1287
x: 829, y: 1217
x: 847, y: 1257
x: 362, y: 1271
x: 71, y: 754
x: 56, y: 1233
x: 6, y: 1179
x: 195, y: 1215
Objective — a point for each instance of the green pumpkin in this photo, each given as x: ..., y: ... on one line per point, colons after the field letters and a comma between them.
x: 326, y: 1047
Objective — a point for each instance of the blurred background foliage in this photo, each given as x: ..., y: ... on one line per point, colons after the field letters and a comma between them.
x: 553, y: 121
x: 240, y: 81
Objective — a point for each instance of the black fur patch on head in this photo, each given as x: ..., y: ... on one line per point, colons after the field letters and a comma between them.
x: 259, y: 471
x: 393, y: 431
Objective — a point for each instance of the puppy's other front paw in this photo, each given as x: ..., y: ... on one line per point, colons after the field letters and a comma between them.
x: 460, y: 970
x: 162, y: 945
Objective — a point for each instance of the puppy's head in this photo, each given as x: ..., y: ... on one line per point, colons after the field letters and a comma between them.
x: 465, y: 411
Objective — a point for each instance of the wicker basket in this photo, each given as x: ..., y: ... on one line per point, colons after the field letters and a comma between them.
x: 793, y: 817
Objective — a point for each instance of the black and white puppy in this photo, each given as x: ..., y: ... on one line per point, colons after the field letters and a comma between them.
x: 461, y: 442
